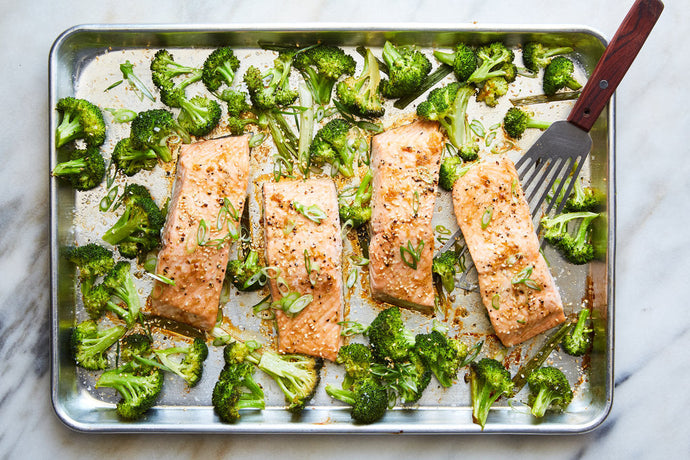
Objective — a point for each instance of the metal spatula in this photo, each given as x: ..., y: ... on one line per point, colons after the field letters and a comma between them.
x: 563, y: 147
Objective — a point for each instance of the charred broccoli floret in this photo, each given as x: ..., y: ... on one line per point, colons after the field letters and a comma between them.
x: 219, y: 68
x: 549, y: 389
x: 389, y: 338
x: 330, y: 145
x: 236, y: 389
x: 463, y: 60
x: 91, y: 259
x: 448, y: 106
x: 576, y: 249
x: 84, y: 170
x: 452, y: 169
x: 90, y: 344
x: 191, y: 366
x: 442, y: 355
x: 137, y: 231
x: 558, y: 75
x: 80, y: 120
x: 536, y: 56
x: 356, y: 358
x: 358, y: 213
x: 130, y: 159
x: 516, y: 121
x: 276, y: 92
x: 360, y: 95
x: 582, y: 199
x: 579, y: 339
x: 492, y: 90
x: 443, y: 266
x: 247, y: 274
x: 489, y: 380
x: 368, y: 398
x: 139, y: 392
x: 120, y: 282
x: 321, y: 67
x: 153, y: 128
x: 407, y: 70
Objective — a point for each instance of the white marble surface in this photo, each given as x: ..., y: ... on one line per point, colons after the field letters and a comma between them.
x: 652, y: 368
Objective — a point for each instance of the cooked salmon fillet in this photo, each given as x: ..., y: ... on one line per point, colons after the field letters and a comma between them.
x: 292, y: 242
x: 515, y: 283
x: 208, y: 173
x: 405, y: 163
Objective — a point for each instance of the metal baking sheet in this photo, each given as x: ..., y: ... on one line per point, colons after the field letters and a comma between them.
x: 84, y: 61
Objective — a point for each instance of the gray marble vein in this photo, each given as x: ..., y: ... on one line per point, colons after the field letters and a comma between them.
x: 653, y: 259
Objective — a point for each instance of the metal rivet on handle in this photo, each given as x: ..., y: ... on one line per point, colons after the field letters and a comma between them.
x: 603, y: 84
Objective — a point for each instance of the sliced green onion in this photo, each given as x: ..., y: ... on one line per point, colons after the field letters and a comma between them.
x: 264, y: 304
x: 201, y: 233
x: 477, y: 128
x: 521, y: 321
x: 486, y: 217
x: 256, y: 140
x: 117, y: 83
x: 349, y: 328
x: 442, y: 230
x: 282, y: 285
x: 490, y: 138
x: 425, y: 175
x: 313, y: 269
x: 524, y: 278
x: 314, y: 213
x: 122, y: 115
x: 496, y: 301
x: 410, y: 252
x: 161, y: 278
x: 494, y: 126
x: 289, y: 227
x: 351, y: 278
x: 473, y: 353
x: 108, y: 199
x: 359, y: 261
x: 415, y: 203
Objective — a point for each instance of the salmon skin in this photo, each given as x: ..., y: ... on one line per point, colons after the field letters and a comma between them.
x: 515, y: 283
x: 210, y: 187
x: 307, y: 255
x: 405, y: 162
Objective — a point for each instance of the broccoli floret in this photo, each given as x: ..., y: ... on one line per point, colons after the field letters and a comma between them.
x: 120, y: 282
x: 296, y: 375
x: 494, y: 60
x: 85, y: 169
x: 152, y: 129
x: 360, y: 95
x: 321, y: 67
x: 489, y: 380
x: 579, y: 339
x: 389, y: 338
x: 407, y: 380
x: 238, y: 109
x: 358, y: 213
x: 164, y: 69
x: 91, y: 259
x: 536, y: 56
x: 448, y: 106
x: 138, y: 230
x: 576, y: 249
x: 139, y: 392
x: 96, y: 298
x: 236, y: 389
x: 368, y: 398
x: 407, y: 70
x: 277, y: 92
x: 356, y: 358
x: 136, y: 349
x: 330, y: 145
x: 219, y: 68
x: 463, y: 61
x: 130, y: 160
x: 90, y: 344
x: 199, y: 115
x: 516, y: 121
x: 492, y: 90
x: 443, y: 266
x: 247, y: 274
x: 582, y: 199
x: 549, y: 389
x: 442, y: 355
x: 452, y: 169
x: 191, y: 366
x: 558, y: 75
x: 80, y: 120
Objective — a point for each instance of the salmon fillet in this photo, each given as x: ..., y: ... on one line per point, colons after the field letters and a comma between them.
x: 405, y: 163
x: 315, y: 330
x: 208, y: 173
x: 515, y: 283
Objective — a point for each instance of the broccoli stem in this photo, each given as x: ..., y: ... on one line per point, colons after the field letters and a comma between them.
x: 346, y: 396
x: 363, y: 191
x: 542, y: 402
x: 445, y: 58
x: 68, y: 130
x: 123, y: 228
x: 70, y: 167
x: 538, y: 124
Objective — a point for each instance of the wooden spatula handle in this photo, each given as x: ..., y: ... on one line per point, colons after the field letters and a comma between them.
x: 615, y: 62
